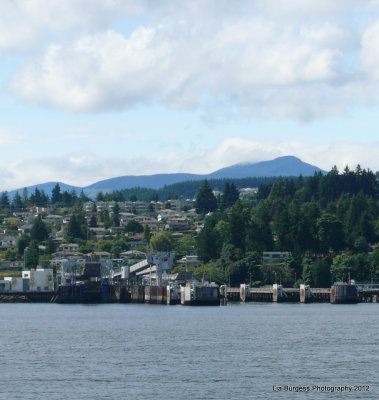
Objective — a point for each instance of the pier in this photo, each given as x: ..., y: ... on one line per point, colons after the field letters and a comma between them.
x: 277, y: 294
x: 95, y: 292
x: 368, y: 295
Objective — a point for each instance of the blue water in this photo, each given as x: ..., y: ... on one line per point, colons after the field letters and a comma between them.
x: 241, y: 351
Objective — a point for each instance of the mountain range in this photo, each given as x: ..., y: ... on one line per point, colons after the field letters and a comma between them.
x: 281, y: 166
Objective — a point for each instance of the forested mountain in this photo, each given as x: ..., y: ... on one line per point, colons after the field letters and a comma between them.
x: 146, y: 181
x: 282, y: 166
x: 188, y: 189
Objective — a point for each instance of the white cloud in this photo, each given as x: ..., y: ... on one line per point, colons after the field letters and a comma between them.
x: 302, y: 59
x: 251, y: 63
x: 9, y: 137
x: 309, y: 9
x: 84, y: 169
x: 369, y: 53
x: 26, y: 24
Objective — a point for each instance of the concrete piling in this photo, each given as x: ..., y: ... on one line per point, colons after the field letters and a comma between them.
x: 277, y: 292
x: 305, y: 293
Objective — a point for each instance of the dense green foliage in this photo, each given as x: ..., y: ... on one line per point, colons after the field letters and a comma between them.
x: 133, y: 226
x: 77, y: 227
x: 163, y: 241
x: 326, y: 221
x: 31, y: 255
x: 39, y: 230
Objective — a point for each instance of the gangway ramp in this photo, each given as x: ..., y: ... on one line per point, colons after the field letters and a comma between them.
x: 147, y: 270
x: 138, y: 267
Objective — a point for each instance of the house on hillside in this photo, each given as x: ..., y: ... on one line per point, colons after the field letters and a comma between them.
x: 68, y: 247
x: 274, y: 257
x: 9, y: 242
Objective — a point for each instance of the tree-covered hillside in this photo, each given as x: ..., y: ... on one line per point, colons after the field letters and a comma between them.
x: 327, y: 222
x: 186, y: 190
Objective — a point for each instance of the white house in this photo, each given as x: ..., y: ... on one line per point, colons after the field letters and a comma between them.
x: 9, y: 242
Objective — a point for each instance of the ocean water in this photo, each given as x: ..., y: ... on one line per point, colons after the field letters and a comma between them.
x: 240, y: 351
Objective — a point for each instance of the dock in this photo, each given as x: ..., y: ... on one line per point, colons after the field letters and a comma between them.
x: 277, y: 294
x: 175, y: 294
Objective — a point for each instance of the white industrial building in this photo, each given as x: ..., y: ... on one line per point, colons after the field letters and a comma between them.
x: 35, y: 280
x: 18, y: 284
x: 40, y: 280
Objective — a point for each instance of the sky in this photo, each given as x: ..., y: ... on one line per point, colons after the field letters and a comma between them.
x: 94, y: 89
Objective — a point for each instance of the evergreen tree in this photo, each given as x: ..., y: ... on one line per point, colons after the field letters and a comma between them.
x: 83, y: 198
x: 93, y: 221
x: 330, y: 233
x: 77, y: 227
x: 39, y: 230
x: 234, y: 193
x: 238, y: 221
x: 17, y: 201
x: 100, y: 196
x: 44, y: 199
x: 56, y: 195
x: 37, y: 198
x: 225, y: 195
x: 22, y: 242
x: 74, y: 196
x: 147, y: 233
x: 230, y: 195
x: 4, y: 200
x: 31, y: 255
x: 116, y: 215
x: 316, y: 273
x: 51, y: 246
x: 67, y: 199
x: 25, y: 197
x: 205, y: 199
x: 259, y: 235
x: 207, y: 245
x: 106, y: 219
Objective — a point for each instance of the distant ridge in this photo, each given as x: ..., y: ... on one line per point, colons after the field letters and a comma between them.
x: 147, y: 181
x: 46, y: 187
x: 281, y: 166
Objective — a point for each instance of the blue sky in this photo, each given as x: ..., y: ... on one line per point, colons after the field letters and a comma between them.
x: 96, y: 89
